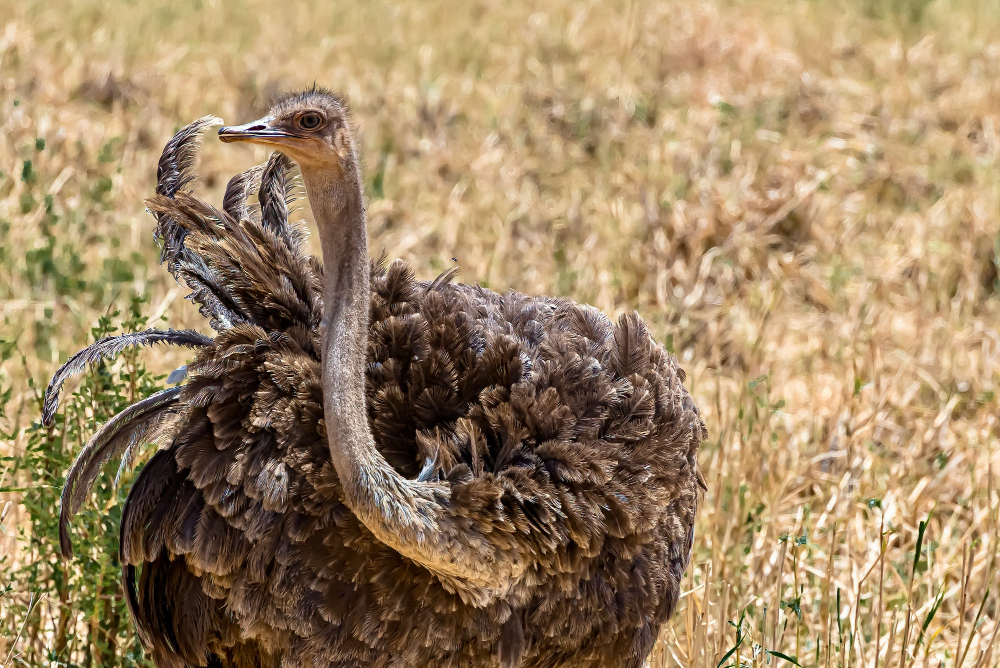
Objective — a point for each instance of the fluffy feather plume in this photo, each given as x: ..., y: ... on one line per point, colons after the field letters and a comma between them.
x: 109, y: 348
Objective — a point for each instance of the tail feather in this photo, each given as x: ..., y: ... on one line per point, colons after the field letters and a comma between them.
x: 109, y: 348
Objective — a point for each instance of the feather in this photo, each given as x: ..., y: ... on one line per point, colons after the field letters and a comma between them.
x: 238, y: 191
x: 149, y: 430
x: 275, y: 189
x: 137, y: 422
x: 177, y: 375
x: 132, y: 598
x: 632, y: 345
x: 444, y: 278
x: 174, y: 173
x: 109, y: 348
x: 429, y: 469
x: 215, y: 302
x: 511, y: 643
x: 175, y: 170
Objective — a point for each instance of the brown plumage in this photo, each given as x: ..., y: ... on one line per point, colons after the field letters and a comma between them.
x: 364, y: 469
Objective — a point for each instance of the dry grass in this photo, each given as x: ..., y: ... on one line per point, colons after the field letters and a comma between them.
x: 803, y: 198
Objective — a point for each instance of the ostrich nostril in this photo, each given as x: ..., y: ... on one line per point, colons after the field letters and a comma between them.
x: 257, y: 128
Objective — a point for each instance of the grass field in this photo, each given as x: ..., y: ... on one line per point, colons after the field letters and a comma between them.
x: 801, y: 198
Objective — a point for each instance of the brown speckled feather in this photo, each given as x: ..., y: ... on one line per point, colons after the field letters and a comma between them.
x: 563, y: 435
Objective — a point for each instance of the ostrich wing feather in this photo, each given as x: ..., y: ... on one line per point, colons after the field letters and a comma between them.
x: 175, y: 170
x: 139, y: 422
x: 238, y: 191
x: 274, y: 195
x: 109, y: 348
x: 240, y: 262
x: 173, y: 174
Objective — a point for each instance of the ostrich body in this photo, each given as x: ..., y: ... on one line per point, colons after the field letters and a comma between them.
x: 364, y: 469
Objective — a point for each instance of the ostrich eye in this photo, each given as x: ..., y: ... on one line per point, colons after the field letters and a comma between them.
x: 310, y: 121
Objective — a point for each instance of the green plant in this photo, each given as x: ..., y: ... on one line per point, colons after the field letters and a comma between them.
x: 72, y: 612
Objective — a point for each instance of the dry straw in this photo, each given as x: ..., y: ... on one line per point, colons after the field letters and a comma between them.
x: 802, y: 198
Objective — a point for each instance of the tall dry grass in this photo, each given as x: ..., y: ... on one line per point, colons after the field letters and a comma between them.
x: 801, y: 198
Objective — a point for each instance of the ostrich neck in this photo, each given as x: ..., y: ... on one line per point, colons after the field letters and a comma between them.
x: 338, y: 207
x: 339, y: 211
x: 409, y: 516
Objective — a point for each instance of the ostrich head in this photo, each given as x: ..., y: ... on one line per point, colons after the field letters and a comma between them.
x: 312, y: 128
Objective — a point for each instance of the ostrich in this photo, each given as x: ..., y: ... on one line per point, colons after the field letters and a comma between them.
x: 364, y: 469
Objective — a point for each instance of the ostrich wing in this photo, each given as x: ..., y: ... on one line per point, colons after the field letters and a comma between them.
x: 244, y: 263
x: 175, y: 226
x: 245, y: 266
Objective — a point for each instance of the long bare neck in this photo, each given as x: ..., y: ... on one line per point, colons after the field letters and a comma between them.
x: 337, y: 204
x: 410, y: 516
x: 338, y: 207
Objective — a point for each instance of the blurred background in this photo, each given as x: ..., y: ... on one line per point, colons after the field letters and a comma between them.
x: 800, y: 197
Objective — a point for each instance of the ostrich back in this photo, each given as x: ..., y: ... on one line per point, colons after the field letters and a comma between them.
x: 556, y: 430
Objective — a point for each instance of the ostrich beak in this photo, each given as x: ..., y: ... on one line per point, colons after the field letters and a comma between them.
x: 258, y: 132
